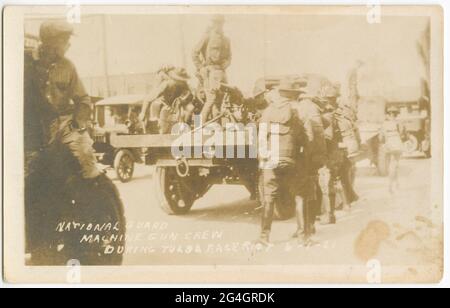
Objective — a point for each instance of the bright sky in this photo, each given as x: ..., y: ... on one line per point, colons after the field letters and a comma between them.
x: 269, y: 44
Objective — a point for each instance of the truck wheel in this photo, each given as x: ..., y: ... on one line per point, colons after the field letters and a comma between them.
x: 172, y: 192
x: 426, y: 147
x: 109, y: 210
x: 382, y: 163
x: 124, y: 165
x: 411, y: 144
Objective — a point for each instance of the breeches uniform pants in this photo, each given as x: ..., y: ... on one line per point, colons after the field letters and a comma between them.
x: 274, y: 183
x: 212, y: 79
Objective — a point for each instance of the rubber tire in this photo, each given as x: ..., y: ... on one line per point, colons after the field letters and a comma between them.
x: 414, y: 144
x: 162, y: 182
x: 122, y: 154
x: 427, y: 150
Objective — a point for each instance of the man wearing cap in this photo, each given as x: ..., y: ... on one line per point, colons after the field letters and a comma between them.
x: 172, y: 85
x: 61, y: 92
x: 211, y: 57
x: 311, y: 158
x: 278, y: 167
x: 58, y: 96
x: 61, y: 101
x: 55, y: 94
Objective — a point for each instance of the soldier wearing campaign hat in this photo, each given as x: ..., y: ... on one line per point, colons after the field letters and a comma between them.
x: 311, y: 158
x: 173, y: 84
x: 277, y: 170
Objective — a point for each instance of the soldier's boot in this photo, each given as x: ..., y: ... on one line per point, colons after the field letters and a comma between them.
x: 299, y: 210
x: 309, y: 230
x: 266, y: 223
x: 313, y: 216
x: 328, y: 201
x: 342, y: 196
x: 347, y: 181
x: 332, y: 216
x: 309, y: 220
x: 264, y: 240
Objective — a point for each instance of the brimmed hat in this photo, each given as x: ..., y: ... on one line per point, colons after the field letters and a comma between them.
x: 179, y: 74
x: 330, y: 91
x: 292, y: 85
x: 53, y: 28
x: 260, y: 87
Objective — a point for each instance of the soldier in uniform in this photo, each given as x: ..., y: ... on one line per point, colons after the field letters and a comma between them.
x: 63, y: 149
x: 258, y: 102
x: 345, y: 119
x: 53, y: 90
x: 211, y: 57
x: 310, y: 159
x: 172, y: 85
x: 276, y: 172
x: 336, y: 157
x: 61, y: 91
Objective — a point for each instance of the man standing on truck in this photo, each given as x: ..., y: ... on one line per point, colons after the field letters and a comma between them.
x: 211, y: 57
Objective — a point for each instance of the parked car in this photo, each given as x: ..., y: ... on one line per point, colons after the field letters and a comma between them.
x: 118, y: 115
x: 416, y: 123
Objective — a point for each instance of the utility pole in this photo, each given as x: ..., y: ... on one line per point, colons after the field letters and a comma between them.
x: 105, y: 56
x: 182, y: 42
x: 265, y: 44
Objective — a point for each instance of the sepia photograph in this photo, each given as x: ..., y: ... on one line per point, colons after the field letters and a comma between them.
x: 245, y: 144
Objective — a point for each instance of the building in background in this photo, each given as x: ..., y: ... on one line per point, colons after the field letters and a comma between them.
x: 119, y: 84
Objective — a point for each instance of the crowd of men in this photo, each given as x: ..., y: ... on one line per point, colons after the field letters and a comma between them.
x: 314, y: 165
